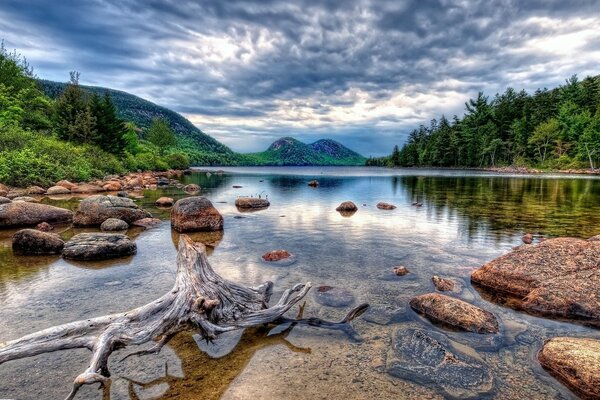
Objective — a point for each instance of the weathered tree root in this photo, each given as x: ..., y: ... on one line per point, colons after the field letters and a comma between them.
x: 200, y: 300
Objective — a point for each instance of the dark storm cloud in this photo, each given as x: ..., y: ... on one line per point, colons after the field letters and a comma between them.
x: 361, y: 71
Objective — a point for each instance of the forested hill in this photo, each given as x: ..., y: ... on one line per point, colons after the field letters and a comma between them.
x: 141, y: 112
x: 553, y: 129
x: 290, y: 151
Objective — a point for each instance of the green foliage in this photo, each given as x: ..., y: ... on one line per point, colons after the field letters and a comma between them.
x: 161, y: 135
x: 177, y: 161
x: 110, y: 128
x: 131, y: 139
x: 556, y: 128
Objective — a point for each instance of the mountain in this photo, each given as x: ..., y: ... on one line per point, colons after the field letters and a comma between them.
x: 142, y: 112
x: 290, y: 151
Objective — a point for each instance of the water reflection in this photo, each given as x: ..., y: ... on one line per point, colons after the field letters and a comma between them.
x: 465, y: 220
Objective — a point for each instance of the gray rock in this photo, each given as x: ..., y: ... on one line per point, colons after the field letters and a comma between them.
x: 34, y: 242
x: 114, y: 224
x: 428, y: 358
x: 98, y: 246
x: 333, y: 296
x: 94, y: 210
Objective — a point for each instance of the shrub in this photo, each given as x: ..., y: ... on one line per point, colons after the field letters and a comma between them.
x: 178, y: 161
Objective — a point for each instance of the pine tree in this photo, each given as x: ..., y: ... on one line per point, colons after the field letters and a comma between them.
x: 161, y: 135
x: 71, y: 113
x: 110, y: 127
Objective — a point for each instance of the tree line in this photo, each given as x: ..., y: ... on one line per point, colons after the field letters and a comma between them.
x: 554, y: 129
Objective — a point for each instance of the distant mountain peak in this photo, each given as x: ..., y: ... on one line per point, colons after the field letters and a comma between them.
x: 291, y: 151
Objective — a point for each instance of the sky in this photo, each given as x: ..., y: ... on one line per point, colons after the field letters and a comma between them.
x: 363, y: 72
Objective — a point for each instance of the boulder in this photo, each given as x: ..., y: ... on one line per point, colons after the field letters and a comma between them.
x: 146, y: 222
x: 195, y: 214
x: 112, y: 186
x: 66, y: 184
x: 276, y: 255
x: 26, y: 199
x: 114, y: 224
x: 555, y: 278
x: 191, y: 188
x: 54, y: 190
x: 3, y: 188
x: 454, y: 312
x: 429, y: 359
x: 575, y: 362
x: 98, y: 246
x: 4, y: 200
x: 164, y: 202
x: 96, y: 209
x: 251, y: 203
x: 385, y: 206
x: 313, y: 183
x: 87, y: 188
x: 44, y: 227
x: 34, y: 242
x: 443, y: 284
x: 400, y: 270
x: 333, y: 296
x: 527, y: 238
x: 35, y: 190
x: 21, y: 213
x: 161, y: 182
x: 347, y: 206
x: 14, y: 193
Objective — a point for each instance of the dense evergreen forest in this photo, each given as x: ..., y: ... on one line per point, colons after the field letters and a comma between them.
x: 549, y: 129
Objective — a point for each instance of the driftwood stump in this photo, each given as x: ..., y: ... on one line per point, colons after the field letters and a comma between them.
x: 200, y: 300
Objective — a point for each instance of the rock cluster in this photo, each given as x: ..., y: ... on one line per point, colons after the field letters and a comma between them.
x: 96, y: 209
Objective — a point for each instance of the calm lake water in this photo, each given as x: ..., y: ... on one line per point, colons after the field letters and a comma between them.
x: 466, y: 220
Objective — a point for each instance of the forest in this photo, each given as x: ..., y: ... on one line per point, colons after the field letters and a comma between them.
x: 77, y: 136
x: 557, y: 129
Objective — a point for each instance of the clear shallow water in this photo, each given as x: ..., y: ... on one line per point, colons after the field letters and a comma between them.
x: 467, y: 219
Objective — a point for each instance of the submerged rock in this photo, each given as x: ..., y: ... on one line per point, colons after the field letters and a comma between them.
x: 195, y: 214
x: 164, y: 202
x: 556, y: 278
x: 44, y: 227
x: 34, y: 242
x: 96, y: 209
x: 333, y: 296
x: 251, y: 203
x: 347, y: 206
x: 114, y: 224
x: 527, y: 238
x: 575, y: 362
x: 22, y: 213
x: 385, y: 206
x: 443, y: 284
x: 191, y: 188
x: 428, y: 358
x: 276, y: 255
x: 454, y: 312
x: 313, y: 183
x: 98, y: 246
x: 400, y: 270
x: 146, y: 222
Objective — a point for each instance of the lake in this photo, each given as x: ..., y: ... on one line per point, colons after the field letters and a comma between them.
x: 466, y: 219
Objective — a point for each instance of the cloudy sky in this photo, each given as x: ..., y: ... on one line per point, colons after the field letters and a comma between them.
x: 364, y: 72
